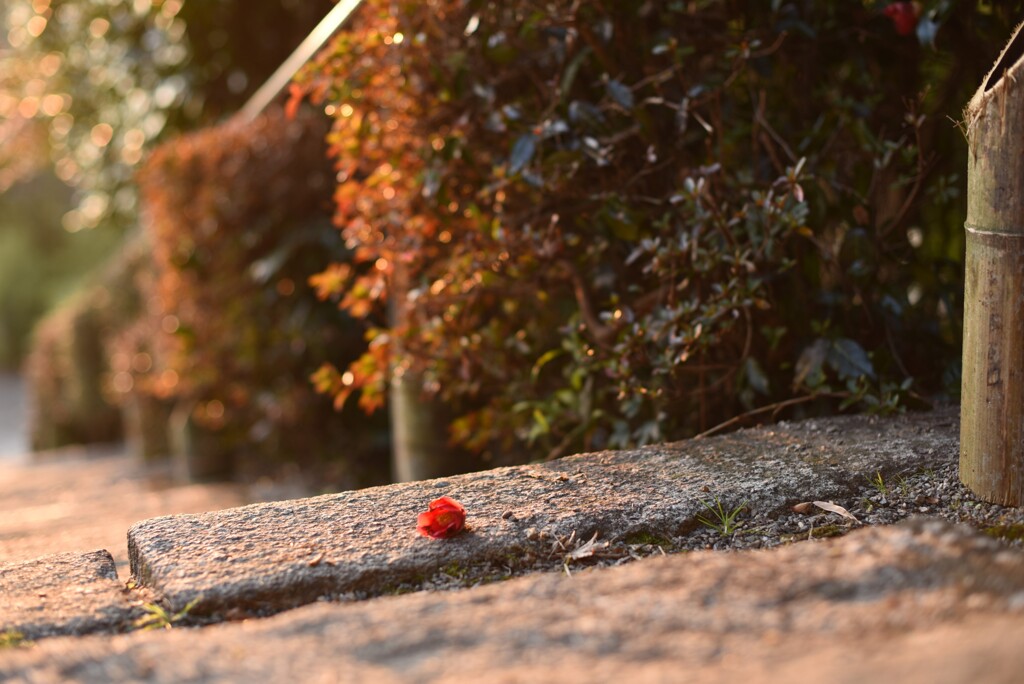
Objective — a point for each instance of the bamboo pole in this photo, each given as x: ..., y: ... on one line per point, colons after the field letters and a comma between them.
x: 319, y: 36
x: 992, y: 410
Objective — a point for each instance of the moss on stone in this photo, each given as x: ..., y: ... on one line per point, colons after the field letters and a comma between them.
x: 645, y: 537
x: 819, y: 532
x: 1008, y: 532
x: 12, y: 638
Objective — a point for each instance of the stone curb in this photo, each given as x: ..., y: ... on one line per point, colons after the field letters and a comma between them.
x: 63, y: 594
x: 265, y: 558
x: 921, y: 601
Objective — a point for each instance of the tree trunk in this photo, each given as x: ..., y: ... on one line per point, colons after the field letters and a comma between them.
x: 419, y: 424
x: 992, y: 412
x: 197, y: 454
x: 146, y: 421
x: 419, y: 449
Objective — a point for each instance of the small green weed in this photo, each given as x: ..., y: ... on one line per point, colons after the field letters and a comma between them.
x: 886, y: 489
x: 157, y: 617
x: 455, y: 571
x: 1008, y: 532
x: 649, y: 538
x: 12, y: 638
x: 719, y: 520
x: 878, y: 482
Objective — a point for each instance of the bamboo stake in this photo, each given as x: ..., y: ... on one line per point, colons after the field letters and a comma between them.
x: 992, y: 410
x: 319, y: 36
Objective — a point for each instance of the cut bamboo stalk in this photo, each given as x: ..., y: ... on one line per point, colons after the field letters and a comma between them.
x: 323, y: 32
x: 992, y: 408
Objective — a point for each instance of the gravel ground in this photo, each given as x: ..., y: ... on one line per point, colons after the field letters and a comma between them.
x: 880, y: 501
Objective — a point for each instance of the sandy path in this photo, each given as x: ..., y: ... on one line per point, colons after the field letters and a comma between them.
x: 80, y: 500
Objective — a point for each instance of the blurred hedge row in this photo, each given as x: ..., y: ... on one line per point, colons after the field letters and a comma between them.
x: 213, y: 361
x: 68, y: 365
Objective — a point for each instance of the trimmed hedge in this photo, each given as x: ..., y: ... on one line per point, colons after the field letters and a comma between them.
x: 68, y: 370
x: 623, y: 223
x: 239, y: 215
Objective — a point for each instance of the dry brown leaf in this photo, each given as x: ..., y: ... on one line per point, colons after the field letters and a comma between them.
x: 585, y: 550
x: 833, y: 508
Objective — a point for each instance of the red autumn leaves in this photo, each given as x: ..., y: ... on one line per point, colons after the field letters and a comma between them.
x: 443, y: 518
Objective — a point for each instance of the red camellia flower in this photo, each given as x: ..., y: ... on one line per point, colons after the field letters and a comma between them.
x: 444, y: 518
x: 904, y: 16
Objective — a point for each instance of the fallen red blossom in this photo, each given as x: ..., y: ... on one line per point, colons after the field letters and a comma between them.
x: 443, y: 518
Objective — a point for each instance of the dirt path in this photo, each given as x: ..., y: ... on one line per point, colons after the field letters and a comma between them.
x: 80, y: 500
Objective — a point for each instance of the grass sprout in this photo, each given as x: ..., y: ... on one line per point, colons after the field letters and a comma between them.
x: 718, y: 519
x: 878, y: 482
x: 12, y: 638
x: 157, y: 617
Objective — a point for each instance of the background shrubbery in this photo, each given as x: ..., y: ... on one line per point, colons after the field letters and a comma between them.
x: 86, y: 88
x: 575, y: 225
x: 40, y: 263
x: 105, y: 80
x: 68, y: 368
x: 238, y: 215
x: 618, y: 223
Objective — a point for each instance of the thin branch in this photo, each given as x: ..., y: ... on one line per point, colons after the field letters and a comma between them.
x: 773, y: 409
x: 776, y: 137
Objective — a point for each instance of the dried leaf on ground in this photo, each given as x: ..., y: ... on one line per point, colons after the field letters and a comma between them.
x: 833, y: 508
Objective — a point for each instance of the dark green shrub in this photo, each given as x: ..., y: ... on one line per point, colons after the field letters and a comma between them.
x: 626, y: 222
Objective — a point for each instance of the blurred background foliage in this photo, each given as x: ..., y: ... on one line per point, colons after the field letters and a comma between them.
x: 238, y: 216
x: 40, y: 263
x: 86, y: 87
x: 612, y: 224
x: 574, y: 226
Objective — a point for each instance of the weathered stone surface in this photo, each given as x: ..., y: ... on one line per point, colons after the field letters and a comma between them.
x: 66, y: 593
x: 268, y: 557
x: 923, y: 601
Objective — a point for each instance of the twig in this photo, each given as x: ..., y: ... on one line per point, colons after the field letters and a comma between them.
x: 771, y: 48
x: 772, y: 408
x: 773, y: 134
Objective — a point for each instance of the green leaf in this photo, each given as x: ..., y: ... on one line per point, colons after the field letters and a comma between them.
x: 808, y: 366
x: 756, y: 377
x: 622, y: 95
x: 648, y: 433
x: 544, y: 359
x: 850, y: 360
x: 927, y: 28
x: 541, y: 422
x: 567, y: 397
x: 570, y: 73
x: 522, y: 152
